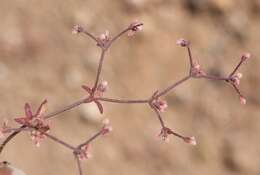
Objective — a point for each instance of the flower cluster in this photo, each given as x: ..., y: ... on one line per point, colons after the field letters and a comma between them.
x: 95, y: 93
x: 77, y: 29
x: 134, y: 27
x: 83, y: 152
x: 236, y: 78
x: 196, y: 70
x: 37, y: 124
x: 159, y: 104
x: 103, y: 40
x: 182, y: 42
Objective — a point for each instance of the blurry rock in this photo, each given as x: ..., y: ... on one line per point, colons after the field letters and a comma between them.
x: 73, y: 78
x: 90, y: 112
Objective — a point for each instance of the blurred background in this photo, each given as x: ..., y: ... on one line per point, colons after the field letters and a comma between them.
x: 40, y: 58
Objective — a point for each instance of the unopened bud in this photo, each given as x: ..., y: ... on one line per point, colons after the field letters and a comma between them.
x: 182, y: 42
x: 190, y: 140
x: 245, y: 56
x: 242, y: 100
x: 239, y: 75
x: 77, y: 29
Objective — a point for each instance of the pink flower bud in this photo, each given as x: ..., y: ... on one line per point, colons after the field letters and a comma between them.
x: 107, y: 127
x: 102, y: 87
x: 164, y: 134
x: 160, y: 105
x: 103, y: 39
x: 196, y: 70
x: 236, y: 80
x: 242, y: 100
x: 239, y: 75
x: 245, y: 56
x: 182, y: 42
x: 84, y: 152
x: 106, y: 130
x: 190, y: 140
x: 134, y: 27
x: 77, y: 29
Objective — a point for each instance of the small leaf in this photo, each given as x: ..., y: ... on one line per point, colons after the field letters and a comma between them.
x: 41, y: 108
x: 100, y: 107
x: 28, y: 111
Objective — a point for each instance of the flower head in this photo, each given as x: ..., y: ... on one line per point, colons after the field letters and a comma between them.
x: 134, y: 27
x: 190, y: 140
x: 236, y: 78
x: 83, y: 153
x: 29, y: 117
x: 37, y: 137
x: 182, y: 42
x: 36, y: 122
x: 164, y: 134
x: 77, y: 29
x: 101, y: 88
x: 242, y: 100
x: 159, y: 104
x: 106, y: 128
x: 103, y: 39
x: 196, y: 70
x: 245, y: 56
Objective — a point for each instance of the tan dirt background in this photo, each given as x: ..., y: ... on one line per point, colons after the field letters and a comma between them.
x: 40, y: 58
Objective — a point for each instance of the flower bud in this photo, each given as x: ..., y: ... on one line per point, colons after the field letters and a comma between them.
x: 77, y: 29
x: 182, y: 42
x: 135, y: 26
x: 190, y: 140
x: 245, y: 56
x: 242, y: 100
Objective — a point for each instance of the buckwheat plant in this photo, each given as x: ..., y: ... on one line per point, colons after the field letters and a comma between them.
x: 38, y: 123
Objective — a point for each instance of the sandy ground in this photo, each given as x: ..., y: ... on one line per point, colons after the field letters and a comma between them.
x: 40, y: 58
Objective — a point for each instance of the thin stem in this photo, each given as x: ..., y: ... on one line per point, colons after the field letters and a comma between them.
x: 90, y: 35
x: 60, y: 141
x: 172, y: 86
x: 99, y: 69
x: 177, y: 135
x: 9, y: 138
x: 16, y: 129
x: 190, y: 56
x: 158, y: 116
x: 236, y: 68
x: 91, y: 139
x: 50, y: 115
x: 121, y: 33
x: 237, y: 90
x: 66, y: 108
x: 122, y: 101
x: 78, y: 164
x: 212, y: 77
